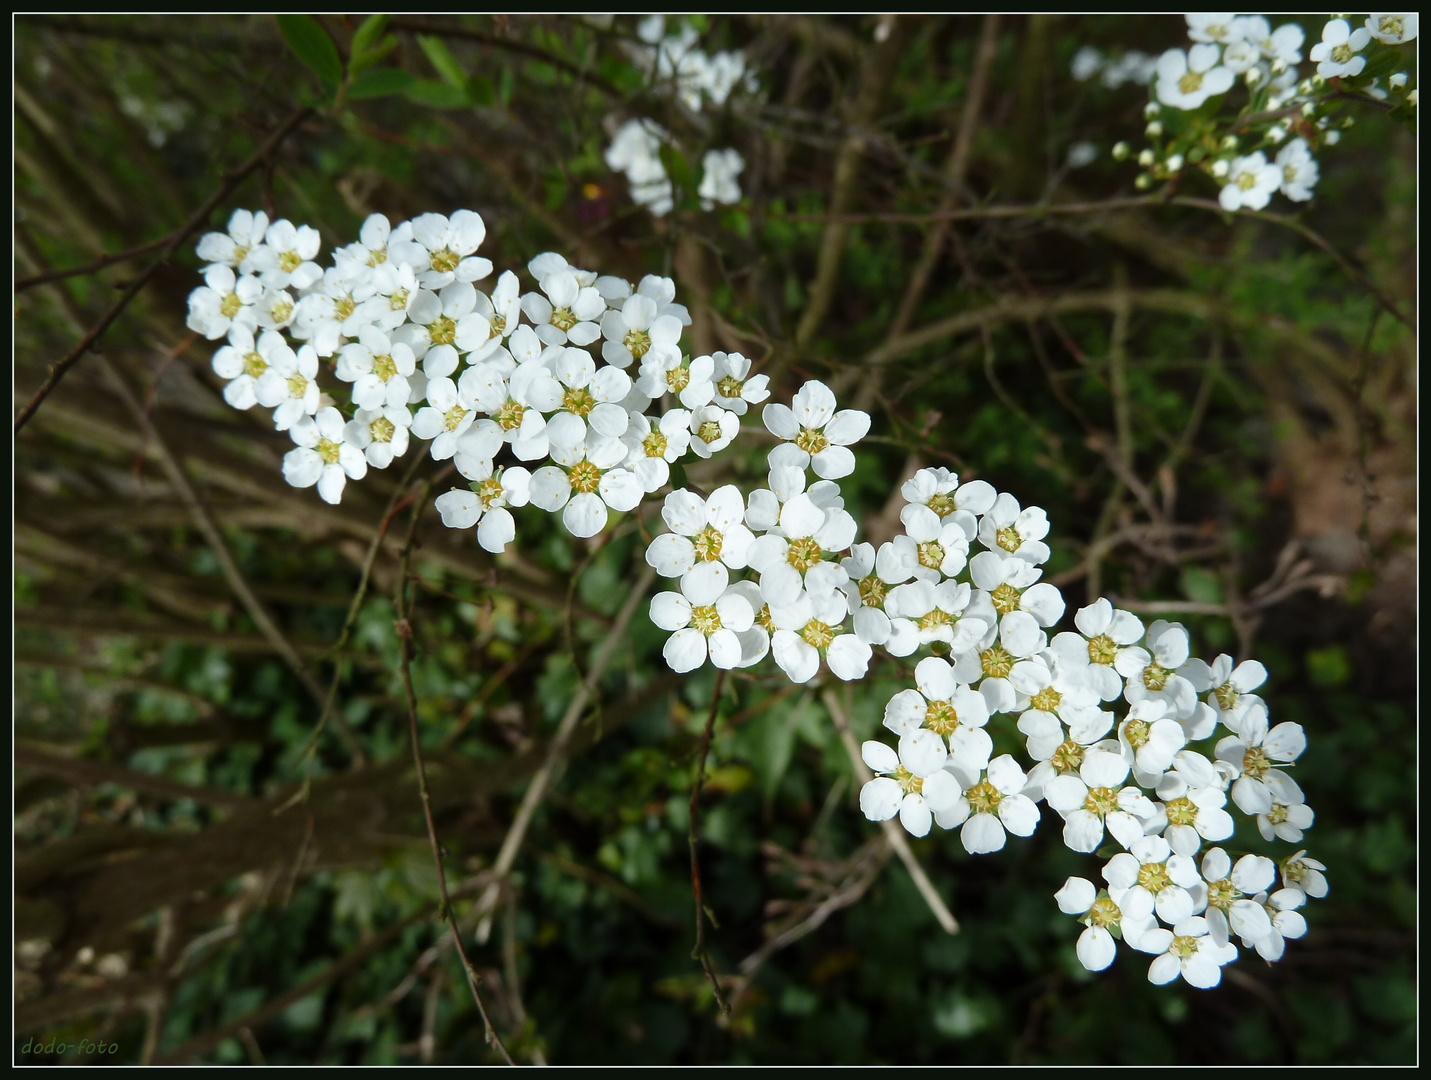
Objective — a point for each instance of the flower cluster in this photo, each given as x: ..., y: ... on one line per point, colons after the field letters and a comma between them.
x: 566, y: 378
x: 695, y: 76
x: 1269, y: 144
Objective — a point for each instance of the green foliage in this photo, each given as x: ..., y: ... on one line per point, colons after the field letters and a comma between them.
x: 311, y: 44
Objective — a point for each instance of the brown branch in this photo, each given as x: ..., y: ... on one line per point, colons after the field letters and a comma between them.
x: 87, y: 772
x: 700, y: 952
x: 197, y: 220
x: 21, y: 284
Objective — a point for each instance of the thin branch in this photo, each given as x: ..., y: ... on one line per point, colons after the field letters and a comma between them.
x: 87, y: 772
x: 700, y: 952
x: 21, y: 284
x: 892, y: 830
x: 404, y: 630
x: 197, y: 220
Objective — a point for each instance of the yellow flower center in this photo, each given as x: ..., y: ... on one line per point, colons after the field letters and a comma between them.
x: 872, y: 591
x: 763, y: 618
x: 445, y: 260
x: 1227, y: 696
x: 678, y: 378
x: 1216, y: 31
x: 654, y: 444
x: 818, y: 634
x: 811, y: 440
x: 908, y: 782
x: 1278, y: 814
x: 931, y: 554
x: 940, y: 718
x: 384, y: 367
x: 1136, y: 733
x: 344, y: 307
x: 1008, y: 538
x: 1005, y: 598
x: 328, y: 451
x: 1102, y: 650
x: 254, y: 365
x: 1155, y: 676
x: 442, y: 331
x: 638, y: 342
x: 1181, y: 811
x: 398, y: 300
x: 281, y: 311
x: 381, y: 430
x: 996, y: 661
x: 1391, y: 25
x: 578, y: 401
x: 509, y: 415
x: 1104, y: 913
x: 241, y: 253
x: 1342, y: 53
x: 1289, y: 173
x: 229, y: 306
x: 289, y: 261
x: 585, y: 477
x: 1255, y: 763
x: 563, y: 319
x: 489, y: 491
x: 984, y: 798
x: 1190, y: 82
x: 1046, y: 700
x: 933, y: 620
x: 730, y: 387
x: 1101, y: 801
x: 705, y: 619
x: 1154, y: 877
x: 297, y: 385
x: 377, y: 256
x: 1068, y: 757
x: 1183, y: 947
x: 803, y: 553
x: 497, y: 326
x: 707, y: 543
x: 941, y: 504
x: 1221, y: 894
x: 1246, y: 181
x: 453, y: 417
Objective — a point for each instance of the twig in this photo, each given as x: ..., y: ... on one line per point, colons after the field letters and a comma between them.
x: 700, y: 952
x: 84, y: 771
x: 21, y: 284
x: 404, y: 630
x: 196, y: 221
x: 556, y: 751
x: 892, y: 831
x: 512, y: 976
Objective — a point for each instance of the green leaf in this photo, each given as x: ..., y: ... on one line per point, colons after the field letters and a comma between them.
x: 311, y: 44
x: 677, y: 167
x: 380, y: 82
x: 436, y: 95
x: 480, y: 91
x: 442, y: 60
x: 678, y: 476
x: 367, y: 35
x: 1201, y: 585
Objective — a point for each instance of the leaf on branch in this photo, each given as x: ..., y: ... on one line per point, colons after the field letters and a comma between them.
x: 436, y: 95
x: 311, y: 44
x: 381, y: 82
x: 442, y: 60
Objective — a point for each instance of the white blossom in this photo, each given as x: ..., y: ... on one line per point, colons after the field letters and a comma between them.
x: 652, y: 448
x: 704, y: 532
x: 809, y: 626
x: 1251, y: 180
x: 232, y: 247
x: 584, y: 483
x: 706, y: 618
x: 911, y: 782
x: 637, y: 330
x: 243, y: 363
x: 289, y: 387
x: 443, y: 250
x: 223, y: 301
x: 484, y: 505
x: 1337, y: 53
x: 381, y: 434
x: 1299, y: 170
x: 378, y: 368
x: 1187, y: 79
x: 1253, y: 753
x: 324, y: 455
x: 814, y: 434
x: 736, y: 389
x: 720, y: 170
x: 712, y: 429
x: 1388, y: 27
x: 1187, y: 950
x: 1103, y: 634
x: 1149, y: 869
x: 285, y: 259
x: 1230, y: 907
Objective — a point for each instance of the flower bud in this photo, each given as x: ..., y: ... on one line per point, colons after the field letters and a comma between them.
x: 1146, y: 158
x: 1175, y: 163
x: 1252, y: 77
x: 1219, y: 168
x: 1318, y: 81
x: 1154, y: 129
x: 1333, y: 137
x: 1121, y: 150
x: 1347, y: 122
x: 1144, y: 182
x: 1305, y: 86
x: 1278, y: 66
x: 1411, y: 99
x: 1398, y: 81
x: 1309, y: 109
x: 1229, y: 142
x: 1151, y: 110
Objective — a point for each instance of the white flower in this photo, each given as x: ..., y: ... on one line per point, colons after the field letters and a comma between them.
x: 381, y: 434
x: 1091, y: 800
x: 663, y: 291
x: 1100, y: 914
x: 438, y: 320
x: 1229, y: 689
x: 587, y: 483
x: 1187, y: 950
x: 515, y: 404
x: 911, y: 783
x: 736, y: 389
x: 501, y: 312
x: 1336, y: 53
x: 378, y: 368
x: 704, y: 532
x: 1229, y: 891
x: 1150, y: 870
x: 636, y: 151
x: 1149, y: 740
x: 369, y: 251
x: 1154, y: 675
x: 871, y: 576
x: 706, y: 618
x: 1300, y: 872
x: 812, y: 625
x: 939, y: 613
x: 651, y: 449
x: 587, y: 397
x: 1194, y: 817
x: 1251, y: 180
x: 1011, y: 588
x: 1283, y: 44
x: 662, y: 372
x: 816, y: 435
x: 567, y: 312
x: 285, y: 260
x: 1285, y: 821
x: 223, y: 301
x: 720, y: 170
x: 336, y: 310
x: 1298, y: 170
x: 324, y: 455
x: 1241, y: 57
x: 289, y: 386
x: 1087, y: 62
x: 244, y: 232
x: 243, y: 363
x: 1287, y: 922
x: 275, y: 309
x: 755, y: 642
x: 1187, y: 79
x: 636, y: 330
x: 1133, y: 66
x: 949, y: 709
x: 1388, y: 27
x: 451, y: 410
x: 1103, y: 634
x: 931, y: 547
x: 1221, y: 27
x: 1015, y: 533
x: 1055, y: 696
x: 1253, y: 753
x: 443, y: 250
x: 992, y: 805
x: 485, y: 506
x: 794, y: 559
x: 712, y: 429
x: 551, y: 262
x: 940, y: 490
